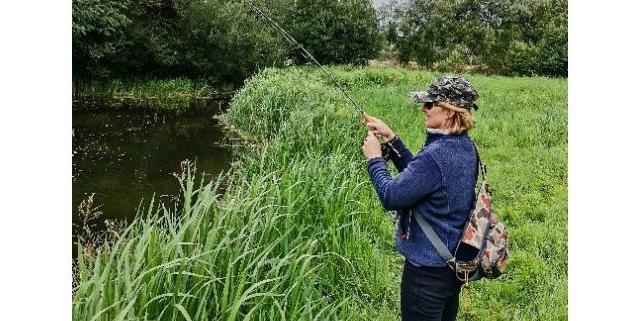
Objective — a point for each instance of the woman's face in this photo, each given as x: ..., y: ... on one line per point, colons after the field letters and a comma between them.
x: 435, y: 116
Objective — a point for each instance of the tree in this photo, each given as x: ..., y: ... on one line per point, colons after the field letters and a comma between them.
x: 334, y: 31
x: 516, y: 37
x: 217, y: 39
x: 97, y: 31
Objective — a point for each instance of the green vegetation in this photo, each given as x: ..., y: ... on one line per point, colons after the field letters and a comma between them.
x: 179, y: 94
x: 146, y: 89
x: 510, y: 37
x: 219, y: 40
x: 333, y: 32
x: 300, y: 234
x: 223, y: 42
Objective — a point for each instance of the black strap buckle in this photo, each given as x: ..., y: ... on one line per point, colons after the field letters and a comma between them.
x: 452, y: 263
x: 387, y: 149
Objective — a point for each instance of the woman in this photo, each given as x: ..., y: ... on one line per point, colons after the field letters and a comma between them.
x: 439, y: 184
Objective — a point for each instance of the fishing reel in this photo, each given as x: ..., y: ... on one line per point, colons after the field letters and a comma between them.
x: 387, y: 149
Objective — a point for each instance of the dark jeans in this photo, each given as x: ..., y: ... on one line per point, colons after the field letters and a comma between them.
x: 429, y: 293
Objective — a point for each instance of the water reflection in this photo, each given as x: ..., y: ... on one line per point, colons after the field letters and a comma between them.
x: 126, y: 153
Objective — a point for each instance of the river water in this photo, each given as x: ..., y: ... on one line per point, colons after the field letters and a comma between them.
x: 126, y: 153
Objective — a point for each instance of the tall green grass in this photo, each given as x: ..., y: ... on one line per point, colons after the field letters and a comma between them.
x: 300, y: 234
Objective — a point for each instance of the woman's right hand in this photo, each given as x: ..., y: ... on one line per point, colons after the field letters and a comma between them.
x: 378, y: 127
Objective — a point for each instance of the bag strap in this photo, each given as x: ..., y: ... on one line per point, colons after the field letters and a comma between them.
x: 480, y: 164
x: 435, y: 240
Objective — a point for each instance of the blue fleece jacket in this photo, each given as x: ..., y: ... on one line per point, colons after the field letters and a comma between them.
x: 438, y: 183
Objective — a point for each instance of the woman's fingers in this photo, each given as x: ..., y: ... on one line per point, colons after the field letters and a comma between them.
x: 370, y: 118
x: 377, y: 126
x: 371, y: 137
x: 375, y: 123
x: 371, y: 146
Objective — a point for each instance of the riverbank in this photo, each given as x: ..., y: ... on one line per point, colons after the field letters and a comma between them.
x: 174, y: 93
x: 300, y: 233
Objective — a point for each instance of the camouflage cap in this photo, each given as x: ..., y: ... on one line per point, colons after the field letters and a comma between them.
x: 451, y: 89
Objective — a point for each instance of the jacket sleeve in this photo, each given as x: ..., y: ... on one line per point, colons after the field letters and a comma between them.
x: 420, y: 178
x: 405, y: 155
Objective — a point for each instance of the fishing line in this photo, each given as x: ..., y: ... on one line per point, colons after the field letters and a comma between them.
x: 386, y: 147
x: 304, y: 52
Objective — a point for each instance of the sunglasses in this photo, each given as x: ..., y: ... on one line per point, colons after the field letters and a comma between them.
x: 428, y: 106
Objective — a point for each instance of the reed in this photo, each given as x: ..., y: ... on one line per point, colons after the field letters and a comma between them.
x: 172, y: 93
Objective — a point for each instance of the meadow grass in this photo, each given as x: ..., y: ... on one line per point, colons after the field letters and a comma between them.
x: 300, y: 234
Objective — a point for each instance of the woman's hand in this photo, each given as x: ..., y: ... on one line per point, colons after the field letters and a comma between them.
x: 379, y: 128
x: 371, y: 147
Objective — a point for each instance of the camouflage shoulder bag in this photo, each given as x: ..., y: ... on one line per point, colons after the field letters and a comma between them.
x: 483, y: 248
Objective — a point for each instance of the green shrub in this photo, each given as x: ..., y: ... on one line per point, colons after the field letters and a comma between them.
x: 334, y: 31
x: 511, y: 37
x: 522, y: 58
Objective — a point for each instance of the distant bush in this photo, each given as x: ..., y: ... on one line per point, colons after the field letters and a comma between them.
x: 512, y: 37
x: 334, y: 31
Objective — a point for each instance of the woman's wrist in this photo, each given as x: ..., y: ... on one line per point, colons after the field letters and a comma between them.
x: 389, y: 138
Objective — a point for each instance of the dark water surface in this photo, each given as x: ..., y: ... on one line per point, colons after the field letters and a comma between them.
x: 126, y: 153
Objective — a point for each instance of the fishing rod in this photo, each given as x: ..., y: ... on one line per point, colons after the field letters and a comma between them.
x: 304, y: 52
x: 386, y: 147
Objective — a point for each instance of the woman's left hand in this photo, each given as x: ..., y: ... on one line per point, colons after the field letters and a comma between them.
x: 371, y: 147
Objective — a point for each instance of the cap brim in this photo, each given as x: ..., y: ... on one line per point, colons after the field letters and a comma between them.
x: 422, y: 97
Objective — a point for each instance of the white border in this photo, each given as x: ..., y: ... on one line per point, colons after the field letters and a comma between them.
x: 605, y: 204
x: 35, y: 125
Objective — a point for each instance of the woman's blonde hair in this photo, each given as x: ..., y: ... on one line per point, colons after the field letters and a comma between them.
x: 461, y: 120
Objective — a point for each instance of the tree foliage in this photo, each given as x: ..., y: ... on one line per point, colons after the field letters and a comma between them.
x: 515, y: 37
x: 222, y: 40
x: 98, y: 30
x: 334, y: 31
x: 215, y: 39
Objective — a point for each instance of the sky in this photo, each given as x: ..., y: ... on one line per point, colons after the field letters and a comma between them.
x: 379, y: 3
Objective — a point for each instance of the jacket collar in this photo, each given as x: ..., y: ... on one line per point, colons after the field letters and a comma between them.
x: 436, y: 131
x: 434, y: 134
